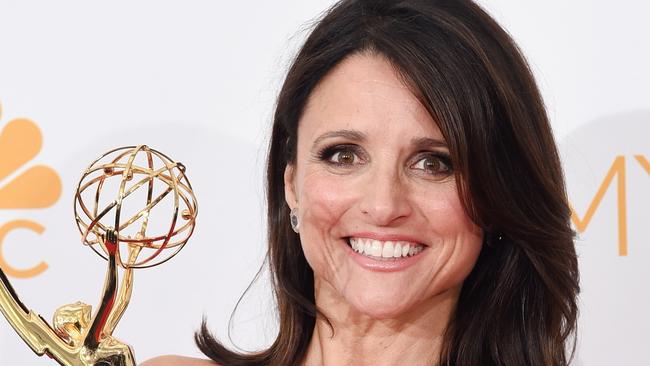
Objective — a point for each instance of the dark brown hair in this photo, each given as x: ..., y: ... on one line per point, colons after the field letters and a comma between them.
x: 518, y: 305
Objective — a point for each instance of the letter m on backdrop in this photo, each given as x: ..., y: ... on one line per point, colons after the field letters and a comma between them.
x: 616, y: 170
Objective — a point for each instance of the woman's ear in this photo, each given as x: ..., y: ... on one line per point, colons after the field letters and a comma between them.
x: 289, y: 187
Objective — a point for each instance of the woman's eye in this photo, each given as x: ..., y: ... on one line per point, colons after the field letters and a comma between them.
x: 343, y: 157
x: 434, y: 165
x: 340, y: 155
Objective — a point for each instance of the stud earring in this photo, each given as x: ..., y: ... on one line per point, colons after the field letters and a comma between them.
x: 293, y: 217
x: 492, y: 239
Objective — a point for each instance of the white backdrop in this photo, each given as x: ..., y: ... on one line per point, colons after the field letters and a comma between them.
x: 198, y: 80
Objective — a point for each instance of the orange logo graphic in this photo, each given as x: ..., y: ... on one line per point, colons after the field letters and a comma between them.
x: 37, y: 187
x: 616, y: 170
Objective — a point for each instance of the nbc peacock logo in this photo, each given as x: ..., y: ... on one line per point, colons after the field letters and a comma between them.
x: 23, y: 186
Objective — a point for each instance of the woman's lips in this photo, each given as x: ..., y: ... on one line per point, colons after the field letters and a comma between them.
x: 388, y: 249
x: 384, y: 256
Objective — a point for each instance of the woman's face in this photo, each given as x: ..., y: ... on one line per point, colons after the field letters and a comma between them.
x: 381, y: 222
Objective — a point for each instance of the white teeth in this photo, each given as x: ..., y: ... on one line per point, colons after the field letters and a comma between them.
x: 398, y: 250
x: 387, y: 249
x: 376, y: 248
x: 405, y: 249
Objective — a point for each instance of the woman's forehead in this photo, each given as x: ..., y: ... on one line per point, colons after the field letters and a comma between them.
x: 365, y: 92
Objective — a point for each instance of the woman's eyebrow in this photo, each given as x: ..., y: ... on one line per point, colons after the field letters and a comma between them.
x: 422, y: 143
x: 352, y: 135
x: 358, y: 136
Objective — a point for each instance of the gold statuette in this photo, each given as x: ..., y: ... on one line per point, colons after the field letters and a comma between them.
x: 128, y: 236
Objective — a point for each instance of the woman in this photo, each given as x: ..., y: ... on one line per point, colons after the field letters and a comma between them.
x: 417, y: 209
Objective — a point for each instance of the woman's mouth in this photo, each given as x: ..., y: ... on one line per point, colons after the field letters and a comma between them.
x: 384, y: 250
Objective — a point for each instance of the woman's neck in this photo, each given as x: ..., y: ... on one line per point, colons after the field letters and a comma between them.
x: 413, y: 338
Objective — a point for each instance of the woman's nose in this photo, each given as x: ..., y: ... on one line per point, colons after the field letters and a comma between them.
x: 384, y: 198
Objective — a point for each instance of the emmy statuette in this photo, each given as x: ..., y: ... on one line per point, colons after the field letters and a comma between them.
x: 127, y: 228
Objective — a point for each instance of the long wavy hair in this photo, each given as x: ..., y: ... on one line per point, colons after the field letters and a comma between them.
x: 518, y: 305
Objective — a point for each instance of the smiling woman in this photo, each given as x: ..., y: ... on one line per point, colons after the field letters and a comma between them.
x: 417, y: 212
x: 372, y: 174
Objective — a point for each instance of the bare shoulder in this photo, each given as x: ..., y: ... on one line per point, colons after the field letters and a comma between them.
x: 178, y: 361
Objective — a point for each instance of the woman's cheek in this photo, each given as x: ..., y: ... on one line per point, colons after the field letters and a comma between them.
x: 324, y: 198
x: 443, y: 210
x: 455, y: 238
